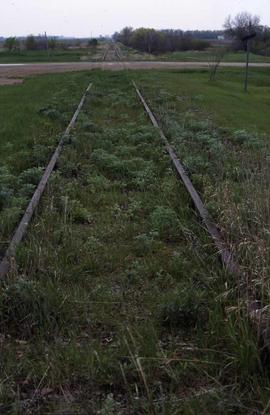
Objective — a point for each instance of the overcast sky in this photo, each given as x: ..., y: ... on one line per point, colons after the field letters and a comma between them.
x: 86, y: 17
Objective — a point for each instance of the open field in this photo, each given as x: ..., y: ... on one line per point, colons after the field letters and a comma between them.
x: 195, y: 56
x: 64, y: 55
x: 128, y: 54
x: 119, y: 304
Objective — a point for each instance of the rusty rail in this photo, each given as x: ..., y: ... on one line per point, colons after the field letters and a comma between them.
x: 23, y: 225
x: 105, y: 54
x: 117, y: 52
x: 226, y: 256
x: 258, y: 315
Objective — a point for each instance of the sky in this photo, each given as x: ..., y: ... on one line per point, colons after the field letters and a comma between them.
x: 86, y: 18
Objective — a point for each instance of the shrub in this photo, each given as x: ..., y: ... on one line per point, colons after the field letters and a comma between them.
x: 183, y: 309
x: 144, y: 244
x: 117, y: 168
x: 51, y: 113
x: 164, y: 221
x: 7, y: 183
x: 75, y: 211
x: 241, y: 136
x: 98, y: 183
x: 11, y: 215
x: 70, y: 169
x: 40, y: 154
x: 31, y: 176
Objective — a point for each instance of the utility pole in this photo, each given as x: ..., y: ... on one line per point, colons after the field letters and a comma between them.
x: 47, y: 44
x: 247, y: 39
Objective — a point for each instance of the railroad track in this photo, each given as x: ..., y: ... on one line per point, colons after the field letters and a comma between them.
x: 9, y: 257
x: 112, y: 53
x: 255, y: 310
x: 257, y: 314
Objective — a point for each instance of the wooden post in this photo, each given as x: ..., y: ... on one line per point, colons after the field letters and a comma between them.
x: 47, y: 44
x: 247, y: 66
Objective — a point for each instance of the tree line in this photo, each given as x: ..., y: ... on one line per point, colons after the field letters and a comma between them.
x: 30, y: 43
x: 35, y: 43
x: 162, y: 41
x: 159, y: 41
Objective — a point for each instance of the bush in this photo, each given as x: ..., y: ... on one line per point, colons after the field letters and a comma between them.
x: 7, y: 183
x: 98, y: 183
x: 75, y: 211
x: 144, y: 244
x: 164, y: 221
x: 183, y: 309
x: 241, y: 137
x: 117, y: 168
x: 12, y: 44
x: 52, y: 113
x: 31, y: 176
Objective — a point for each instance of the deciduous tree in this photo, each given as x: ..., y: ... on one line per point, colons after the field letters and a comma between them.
x: 11, y: 44
x: 240, y: 26
x: 31, y: 43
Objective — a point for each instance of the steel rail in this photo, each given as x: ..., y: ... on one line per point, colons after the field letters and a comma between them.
x: 21, y: 230
x: 112, y: 48
x: 106, y: 54
x: 117, y: 52
x: 226, y: 256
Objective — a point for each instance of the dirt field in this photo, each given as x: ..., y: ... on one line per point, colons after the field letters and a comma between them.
x: 8, y: 71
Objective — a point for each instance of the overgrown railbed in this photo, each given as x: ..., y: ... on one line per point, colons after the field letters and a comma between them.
x: 230, y: 168
x: 119, y: 304
x: 33, y: 117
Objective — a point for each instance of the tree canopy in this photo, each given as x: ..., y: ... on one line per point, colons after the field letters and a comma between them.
x: 244, y: 24
x: 11, y: 44
x: 159, y: 41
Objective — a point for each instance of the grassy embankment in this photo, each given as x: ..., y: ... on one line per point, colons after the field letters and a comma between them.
x: 119, y: 303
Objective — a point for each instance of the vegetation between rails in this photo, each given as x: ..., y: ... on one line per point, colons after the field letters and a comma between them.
x: 119, y: 304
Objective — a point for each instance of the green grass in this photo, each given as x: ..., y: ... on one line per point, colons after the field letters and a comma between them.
x: 119, y: 304
x: 42, y: 56
x: 58, y: 55
x: 128, y: 54
x: 32, y: 116
x: 221, y: 135
x: 204, y: 56
x: 223, y: 100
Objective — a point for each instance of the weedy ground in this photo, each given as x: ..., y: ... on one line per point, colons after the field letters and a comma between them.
x: 222, y: 138
x: 119, y: 304
x: 32, y: 116
x: 205, y: 56
x: 57, y: 55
